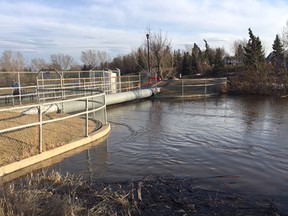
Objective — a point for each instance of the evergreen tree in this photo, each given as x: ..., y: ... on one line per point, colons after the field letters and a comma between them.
x: 186, y: 64
x: 253, y: 52
x: 177, y: 64
x: 208, y: 54
x: 218, y: 62
x: 278, y: 54
x: 197, y: 59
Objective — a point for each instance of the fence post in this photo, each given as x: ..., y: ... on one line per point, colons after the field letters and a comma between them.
x: 182, y: 87
x: 40, y: 129
x: 62, y: 86
x: 84, y: 85
x: 139, y: 81
x: 19, y: 88
x: 120, y: 84
x: 87, y: 118
x: 105, y: 111
x: 43, y: 84
x: 205, y: 90
x: 37, y: 90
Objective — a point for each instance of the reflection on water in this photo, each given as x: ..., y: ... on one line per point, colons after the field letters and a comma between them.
x: 90, y: 163
x: 241, y: 139
x: 99, y: 148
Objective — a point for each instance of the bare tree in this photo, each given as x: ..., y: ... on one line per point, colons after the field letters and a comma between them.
x: 285, y: 44
x: 161, y: 56
x: 11, y: 62
x: 37, y: 64
x: 61, y: 62
x: 103, y: 57
x: 141, y: 57
x: 285, y: 35
x: 18, y: 62
x: 238, y: 49
x: 93, y: 58
x: 7, y: 61
x: 89, y: 58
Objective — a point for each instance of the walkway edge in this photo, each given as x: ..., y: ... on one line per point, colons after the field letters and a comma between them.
x: 10, y: 168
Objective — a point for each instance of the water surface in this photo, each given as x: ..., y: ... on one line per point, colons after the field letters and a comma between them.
x: 239, y: 143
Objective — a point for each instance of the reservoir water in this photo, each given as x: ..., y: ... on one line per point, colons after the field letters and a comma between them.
x: 232, y: 143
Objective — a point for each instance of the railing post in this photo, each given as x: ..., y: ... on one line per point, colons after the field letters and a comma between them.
x: 182, y: 85
x: 205, y: 90
x: 43, y: 86
x: 19, y: 88
x: 87, y: 118
x: 104, y: 84
x: 40, y: 129
x: 139, y: 81
x: 105, y: 112
x: 62, y: 86
x: 120, y: 80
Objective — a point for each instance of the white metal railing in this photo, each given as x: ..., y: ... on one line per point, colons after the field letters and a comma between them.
x: 94, y: 108
x: 13, y: 95
x: 62, y: 85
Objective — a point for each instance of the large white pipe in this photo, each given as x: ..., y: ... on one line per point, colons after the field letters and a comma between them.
x: 128, y: 96
x: 77, y: 106
x: 111, y: 99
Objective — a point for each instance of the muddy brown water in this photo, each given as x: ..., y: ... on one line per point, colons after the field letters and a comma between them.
x: 235, y: 144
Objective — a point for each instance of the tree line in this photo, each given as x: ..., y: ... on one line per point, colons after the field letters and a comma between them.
x: 165, y: 62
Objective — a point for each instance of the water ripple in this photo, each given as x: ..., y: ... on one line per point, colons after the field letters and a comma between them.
x: 222, y: 136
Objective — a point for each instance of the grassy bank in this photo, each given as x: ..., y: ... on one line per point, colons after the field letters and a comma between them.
x: 54, y: 194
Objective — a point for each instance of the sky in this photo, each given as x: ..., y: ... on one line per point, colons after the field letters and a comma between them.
x: 39, y: 28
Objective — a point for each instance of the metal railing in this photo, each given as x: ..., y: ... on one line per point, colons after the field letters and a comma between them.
x: 192, y: 87
x: 74, y: 87
x: 29, y: 130
x: 14, y: 96
x: 62, y: 85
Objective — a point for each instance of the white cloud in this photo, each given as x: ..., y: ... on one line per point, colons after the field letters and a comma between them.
x: 119, y: 26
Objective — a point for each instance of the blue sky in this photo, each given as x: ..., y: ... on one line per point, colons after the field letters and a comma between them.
x: 38, y: 28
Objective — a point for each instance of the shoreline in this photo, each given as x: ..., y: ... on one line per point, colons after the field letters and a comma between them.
x: 54, y: 194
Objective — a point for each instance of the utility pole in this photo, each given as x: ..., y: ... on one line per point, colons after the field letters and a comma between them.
x: 149, y: 68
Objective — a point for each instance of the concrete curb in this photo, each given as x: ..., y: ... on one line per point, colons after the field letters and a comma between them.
x: 16, y: 166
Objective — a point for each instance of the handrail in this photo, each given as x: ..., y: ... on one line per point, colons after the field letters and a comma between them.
x: 40, y: 110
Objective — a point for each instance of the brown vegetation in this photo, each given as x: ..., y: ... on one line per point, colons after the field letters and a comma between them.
x: 261, y: 82
x: 53, y: 194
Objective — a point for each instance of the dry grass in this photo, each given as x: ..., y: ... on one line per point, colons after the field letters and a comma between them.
x: 24, y: 143
x: 54, y: 194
